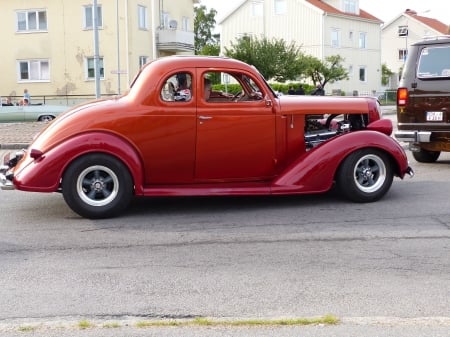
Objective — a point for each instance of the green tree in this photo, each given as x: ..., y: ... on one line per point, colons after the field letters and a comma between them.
x: 328, y: 71
x: 386, y: 73
x: 275, y: 59
x: 204, y: 24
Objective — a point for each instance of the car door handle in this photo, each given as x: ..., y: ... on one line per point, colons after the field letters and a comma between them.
x: 202, y: 118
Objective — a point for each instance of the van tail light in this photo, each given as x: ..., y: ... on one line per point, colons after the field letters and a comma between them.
x: 402, y: 96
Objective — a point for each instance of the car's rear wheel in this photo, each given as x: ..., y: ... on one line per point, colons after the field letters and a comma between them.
x: 97, y: 186
x: 365, y: 175
x: 425, y: 156
x: 46, y: 118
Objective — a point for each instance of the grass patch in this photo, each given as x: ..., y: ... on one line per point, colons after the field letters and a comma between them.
x: 85, y: 324
x: 112, y: 325
x: 202, y: 321
x: 26, y: 328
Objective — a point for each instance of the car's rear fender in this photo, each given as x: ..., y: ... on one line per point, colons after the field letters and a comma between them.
x: 44, y: 173
x: 314, y: 171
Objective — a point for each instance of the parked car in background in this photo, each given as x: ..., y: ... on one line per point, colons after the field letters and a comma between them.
x: 30, y: 113
x: 423, y: 99
x: 173, y: 135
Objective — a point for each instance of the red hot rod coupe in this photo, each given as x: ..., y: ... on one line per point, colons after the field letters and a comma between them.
x: 172, y: 135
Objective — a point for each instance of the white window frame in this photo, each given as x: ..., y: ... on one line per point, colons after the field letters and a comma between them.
x: 402, y: 54
x: 280, y: 7
x: 403, y: 31
x: 142, y: 17
x: 185, y: 24
x: 335, y: 38
x: 362, y: 74
x: 362, y: 40
x: 40, y: 27
x: 165, y: 18
x: 142, y: 60
x: 87, y: 62
x: 38, y: 70
x: 350, y: 6
x: 90, y: 25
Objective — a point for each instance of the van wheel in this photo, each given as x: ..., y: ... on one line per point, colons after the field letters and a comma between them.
x: 425, y: 156
x: 97, y: 186
x: 365, y: 175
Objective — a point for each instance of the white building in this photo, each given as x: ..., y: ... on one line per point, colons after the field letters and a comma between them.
x: 321, y: 28
x: 398, y: 34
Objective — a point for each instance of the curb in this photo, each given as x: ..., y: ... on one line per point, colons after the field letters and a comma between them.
x: 13, y: 146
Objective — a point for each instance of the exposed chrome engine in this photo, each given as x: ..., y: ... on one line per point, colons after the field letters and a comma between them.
x: 319, y: 129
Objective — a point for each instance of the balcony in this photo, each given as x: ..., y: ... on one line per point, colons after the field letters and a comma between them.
x: 174, y: 40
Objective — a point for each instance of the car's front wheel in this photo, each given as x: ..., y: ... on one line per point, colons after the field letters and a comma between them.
x: 365, y: 175
x: 425, y: 156
x: 97, y: 186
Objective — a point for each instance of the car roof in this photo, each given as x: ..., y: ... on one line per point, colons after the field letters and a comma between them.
x: 432, y: 40
x: 200, y: 61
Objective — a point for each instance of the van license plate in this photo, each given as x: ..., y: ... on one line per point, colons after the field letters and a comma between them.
x: 434, y: 116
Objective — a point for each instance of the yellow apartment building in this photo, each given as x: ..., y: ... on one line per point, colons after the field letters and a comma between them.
x: 47, y: 46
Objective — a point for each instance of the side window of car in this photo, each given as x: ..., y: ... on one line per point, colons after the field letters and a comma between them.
x: 177, y: 88
x: 229, y: 87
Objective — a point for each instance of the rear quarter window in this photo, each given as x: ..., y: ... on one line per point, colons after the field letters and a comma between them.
x: 434, y: 62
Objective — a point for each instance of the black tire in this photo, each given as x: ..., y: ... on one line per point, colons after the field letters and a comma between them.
x: 46, y: 118
x: 425, y: 156
x: 97, y: 186
x: 365, y: 175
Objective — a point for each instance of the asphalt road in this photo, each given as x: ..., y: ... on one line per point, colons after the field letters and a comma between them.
x: 383, y: 268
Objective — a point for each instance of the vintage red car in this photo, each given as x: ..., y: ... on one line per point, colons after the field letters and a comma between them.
x: 171, y: 135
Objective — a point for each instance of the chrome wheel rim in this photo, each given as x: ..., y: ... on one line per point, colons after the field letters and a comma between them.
x: 97, y: 185
x: 370, y: 173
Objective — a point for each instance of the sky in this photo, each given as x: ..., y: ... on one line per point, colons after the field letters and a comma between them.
x: 385, y: 10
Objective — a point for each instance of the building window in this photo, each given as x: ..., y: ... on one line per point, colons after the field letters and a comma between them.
x: 142, y: 60
x: 362, y: 40
x: 350, y: 6
x: 335, y: 38
x: 32, y: 21
x: 362, y: 74
x: 402, y: 53
x: 89, y: 17
x: 350, y: 71
x: 165, y: 19
x: 257, y: 8
x: 142, y: 17
x: 90, y: 68
x: 350, y: 35
x: 280, y: 7
x: 402, y: 31
x: 185, y: 23
x: 33, y: 70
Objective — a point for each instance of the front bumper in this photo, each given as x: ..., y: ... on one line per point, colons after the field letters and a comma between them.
x: 413, y: 136
x: 6, y: 170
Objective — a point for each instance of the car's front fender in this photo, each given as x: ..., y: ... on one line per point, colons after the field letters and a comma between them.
x: 43, y: 172
x: 315, y: 170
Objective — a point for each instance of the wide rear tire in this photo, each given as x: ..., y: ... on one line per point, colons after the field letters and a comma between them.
x: 425, y: 156
x: 97, y: 186
x: 365, y: 175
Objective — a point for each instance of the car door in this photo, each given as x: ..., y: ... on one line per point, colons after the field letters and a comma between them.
x: 235, y: 137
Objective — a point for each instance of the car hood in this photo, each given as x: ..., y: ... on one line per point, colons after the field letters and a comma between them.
x: 310, y: 105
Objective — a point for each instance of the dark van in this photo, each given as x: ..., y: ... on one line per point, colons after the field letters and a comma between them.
x: 423, y: 99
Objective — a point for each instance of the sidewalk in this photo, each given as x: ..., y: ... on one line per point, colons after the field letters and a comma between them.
x: 18, y: 135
